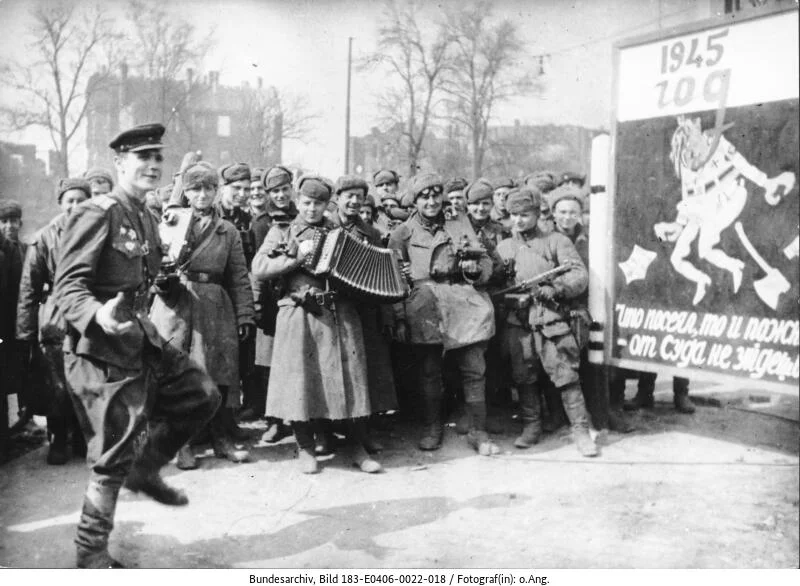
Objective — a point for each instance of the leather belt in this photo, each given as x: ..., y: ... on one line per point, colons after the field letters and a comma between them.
x: 200, y: 277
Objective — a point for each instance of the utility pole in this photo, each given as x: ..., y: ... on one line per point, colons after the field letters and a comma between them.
x: 347, y: 110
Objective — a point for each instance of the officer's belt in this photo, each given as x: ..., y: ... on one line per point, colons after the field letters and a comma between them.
x: 200, y: 277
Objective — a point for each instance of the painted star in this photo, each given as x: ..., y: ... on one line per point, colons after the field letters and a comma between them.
x: 637, y: 264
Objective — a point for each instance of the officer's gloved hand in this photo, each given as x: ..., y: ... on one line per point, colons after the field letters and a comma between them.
x: 246, y: 332
x: 545, y: 293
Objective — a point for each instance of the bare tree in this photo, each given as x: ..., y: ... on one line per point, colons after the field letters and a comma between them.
x: 165, y: 46
x: 419, y: 65
x: 484, y: 71
x: 54, y: 87
x: 272, y: 116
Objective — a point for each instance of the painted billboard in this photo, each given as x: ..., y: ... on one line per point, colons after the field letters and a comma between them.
x: 705, y: 214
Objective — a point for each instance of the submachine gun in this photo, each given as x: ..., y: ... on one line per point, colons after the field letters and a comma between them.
x: 513, y: 296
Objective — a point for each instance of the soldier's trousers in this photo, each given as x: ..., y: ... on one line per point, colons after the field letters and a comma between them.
x: 556, y: 354
x: 146, y: 413
x: 471, y: 365
x: 132, y: 417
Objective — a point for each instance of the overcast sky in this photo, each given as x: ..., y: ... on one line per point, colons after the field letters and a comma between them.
x: 301, y: 46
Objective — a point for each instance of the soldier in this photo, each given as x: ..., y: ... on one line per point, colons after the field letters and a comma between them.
x: 281, y: 210
x: 13, y: 354
x: 545, y: 182
x: 369, y: 210
x: 258, y: 195
x: 574, y: 179
x: 209, y: 311
x: 376, y: 320
x: 138, y: 399
x: 232, y: 206
x: 501, y: 189
x: 454, y: 191
x: 445, y: 313
x: 45, y: 338
x: 319, y: 365
x: 100, y: 180
x: 479, y: 205
x: 539, y: 336
x: 566, y: 202
x: 387, y: 185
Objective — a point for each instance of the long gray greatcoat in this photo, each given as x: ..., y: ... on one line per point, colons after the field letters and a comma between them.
x: 319, y: 364
x: 373, y: 318
x: 204, y: 320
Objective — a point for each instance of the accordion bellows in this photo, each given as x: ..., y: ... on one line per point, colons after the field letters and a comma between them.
x: 359, y: 268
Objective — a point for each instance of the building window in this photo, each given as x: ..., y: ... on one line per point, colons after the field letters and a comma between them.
x: 223, y: 125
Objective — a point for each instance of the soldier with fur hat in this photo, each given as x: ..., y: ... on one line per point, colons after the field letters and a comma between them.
x: 49, y: 395
x: 281, y: 210
x: 539, y: 336
x: 445, y: 312
x: 13, y: 354
x: 319, y: 367
x: 100, y: 180
x: 501, y: 189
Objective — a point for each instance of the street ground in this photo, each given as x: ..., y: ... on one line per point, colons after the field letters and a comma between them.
x: 717, y: 489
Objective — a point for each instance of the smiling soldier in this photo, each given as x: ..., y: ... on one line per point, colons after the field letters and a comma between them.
x: 138, y: 399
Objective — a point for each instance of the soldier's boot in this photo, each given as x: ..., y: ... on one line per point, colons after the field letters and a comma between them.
x: 161, y: 445
x: 96, y: 523
x: 359, y: 438
x: 556, y: 418
x: 324, y: 440
x: 531, y: 417
x: 680, y: 390
x: 304, y: 436
x: 276, y: 431
x: 646, y: 387
x: 57, y: 432
x: 433, y: 429
x: 186, y: 459
x: 222, y: 444
x: 478, y: 437
x: 5, y: 447
x: 579, y: 420
x: 79, y: 447
x: 617, y: 421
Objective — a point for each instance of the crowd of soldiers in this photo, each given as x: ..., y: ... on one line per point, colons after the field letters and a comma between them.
x: 135, y: 360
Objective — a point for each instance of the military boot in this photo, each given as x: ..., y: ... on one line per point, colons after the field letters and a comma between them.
x: 478, y: 437
x: 57, y: 432
x: 556, y: 418
x: 96, y: 523
x: 304, y: 436
x: 617, y: 421
x: 186, y: 459
x: 644, y: 394
x: 680, y: 390
x: 358, y: 435
x: 433, y: 429
x: 276, y: 431
x: 225, y: 448
x: 144, y: 475
x: 78, y: 441
x: 579, y: 421
x: 531, y: 417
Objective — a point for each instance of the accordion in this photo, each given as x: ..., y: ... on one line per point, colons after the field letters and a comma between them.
x: 358, y: 268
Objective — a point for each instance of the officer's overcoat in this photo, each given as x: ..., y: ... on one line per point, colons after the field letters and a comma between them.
x: 214, y: 299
